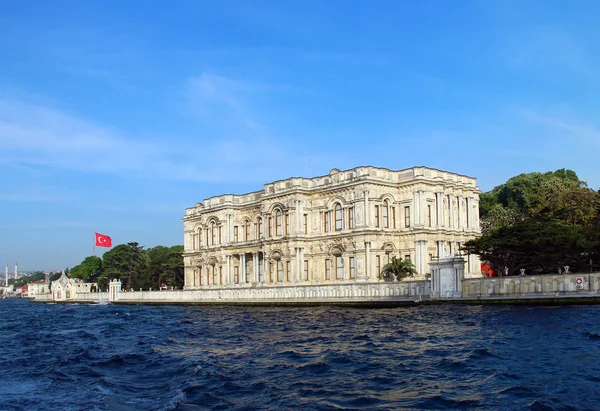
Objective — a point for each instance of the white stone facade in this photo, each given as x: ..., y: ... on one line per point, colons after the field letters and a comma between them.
x: 335, y: 229
x: 65, y: 288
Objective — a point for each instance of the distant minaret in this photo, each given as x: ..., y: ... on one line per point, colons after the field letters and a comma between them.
x: 6, y: 274
x: 16, y: 272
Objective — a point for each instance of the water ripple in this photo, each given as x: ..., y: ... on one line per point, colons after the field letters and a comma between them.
x: 82, y: 357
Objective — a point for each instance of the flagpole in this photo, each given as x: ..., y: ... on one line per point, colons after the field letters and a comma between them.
x: 94, y: 252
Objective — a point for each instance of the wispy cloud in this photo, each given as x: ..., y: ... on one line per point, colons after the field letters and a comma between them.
x: 39, y: 135
x: 28, y: 198
x: 576, y: 129
x: 215, y: 97
x: 548, y: 50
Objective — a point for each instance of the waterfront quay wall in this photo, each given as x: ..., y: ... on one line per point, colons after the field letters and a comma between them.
x: 403, y: 290
x: 532, y: 285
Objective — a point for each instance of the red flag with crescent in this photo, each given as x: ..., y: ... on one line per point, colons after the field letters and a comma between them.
x: 103, y: 240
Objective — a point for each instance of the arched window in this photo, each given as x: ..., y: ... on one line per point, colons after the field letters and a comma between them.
x: 278, y: 222
x: 385, y: 214
x: 247, y: 230
x: 338, y: 217
x: 213, y: 233
x: 259, y: 234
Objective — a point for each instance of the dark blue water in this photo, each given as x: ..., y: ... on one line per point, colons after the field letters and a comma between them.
x: 90, y: 357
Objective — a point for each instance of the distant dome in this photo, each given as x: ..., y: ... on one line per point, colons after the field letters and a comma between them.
x: 334, y: 171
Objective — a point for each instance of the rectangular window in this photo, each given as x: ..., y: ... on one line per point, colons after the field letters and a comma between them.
x: 270, y: 224
x: 288, y: 271
x: 305, y: 270
x: 352, y: 267
x: 393, y: 217
x: 220, y: 231
x: 235, y: 234
x: 287, y: 224
x: 236, y: 274
x: 351, y: 217
x: 260, y: 270
x: 305, y: 224
x: 429, y: 215
x: 378, y: 265
x: 407, y: 216
x: 327, y: 269
x: 278, y: 224
x: 339, y: 267
x: 280, y: 271
x: 376, y: 216
x: 260, y: 229
x: 247, y: 231
x: 214, y: 230
x: 386, y: 220
x: 326, y: 221
x: 338, y: 218
x: 220, y: 275
x: 247, y: 271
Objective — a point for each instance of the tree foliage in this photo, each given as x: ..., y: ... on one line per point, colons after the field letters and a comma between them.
x: 539, y: 221
x: 89, y: 270
x: 125, y: 262
x: 135, y: 266
x: 399, y: 268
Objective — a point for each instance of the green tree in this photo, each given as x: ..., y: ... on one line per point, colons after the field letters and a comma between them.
x: 539, y: 246
x: 165, y: 266
x: 399, y: 268
x: 89, y: 270
x: 127, y: 262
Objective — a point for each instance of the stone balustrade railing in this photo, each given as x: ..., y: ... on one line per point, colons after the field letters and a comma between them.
x: 531, y: 285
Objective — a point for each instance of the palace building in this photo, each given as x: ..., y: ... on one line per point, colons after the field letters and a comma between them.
x: 339, y: 228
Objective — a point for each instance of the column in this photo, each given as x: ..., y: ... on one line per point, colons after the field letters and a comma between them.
x: 301, y: 274
x: 255, y: 267
x: 368, y: 259
x: 242, y: 269
x: 440, y: 250
x: 423, y: 255
x: 265, y: 276
x: 469, y: 213
x: 415, y: 209
x: 228, y: 271
x: 298, y: 217
x: 421, y: 209
x: 298, y: 264
x: 367, y: 211
x: 450, y: 211
x: 439, y: 201
x: 458, y: 209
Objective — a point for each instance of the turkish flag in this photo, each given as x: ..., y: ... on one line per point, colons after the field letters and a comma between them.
x: 103, y: 240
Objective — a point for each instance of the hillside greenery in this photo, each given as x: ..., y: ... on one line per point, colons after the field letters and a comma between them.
x: 540, y: 222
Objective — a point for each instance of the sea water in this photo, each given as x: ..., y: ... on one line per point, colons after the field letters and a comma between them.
x: 115, y: 357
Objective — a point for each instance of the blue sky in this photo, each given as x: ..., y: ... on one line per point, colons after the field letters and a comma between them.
x: 117, y: 115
